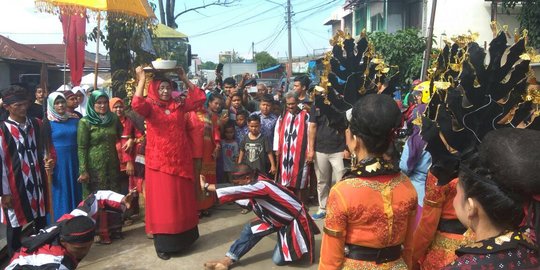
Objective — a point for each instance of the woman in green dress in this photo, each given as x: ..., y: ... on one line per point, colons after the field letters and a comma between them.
x: 99, y: 167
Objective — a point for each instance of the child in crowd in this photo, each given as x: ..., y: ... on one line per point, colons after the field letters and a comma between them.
x: 229, y: 150
x: 268, y: 119
x: 236, y: 106
x: 241, y: 128
x: 255, y: 150
x: 276, y: 108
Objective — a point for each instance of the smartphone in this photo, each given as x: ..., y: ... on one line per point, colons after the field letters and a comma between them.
x: 252, y: 89
x: 224, y: 112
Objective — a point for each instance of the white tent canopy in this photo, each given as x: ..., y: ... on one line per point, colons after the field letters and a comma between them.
x: 89, y: 80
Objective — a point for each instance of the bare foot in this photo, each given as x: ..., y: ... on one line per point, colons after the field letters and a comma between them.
x: 222, y: 264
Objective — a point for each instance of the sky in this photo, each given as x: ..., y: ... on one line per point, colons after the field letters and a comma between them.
x: 210, y: 30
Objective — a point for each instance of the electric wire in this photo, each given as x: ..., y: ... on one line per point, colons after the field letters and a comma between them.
x: 234, y: 24
x: 276, y: 37
x: 302, y: 39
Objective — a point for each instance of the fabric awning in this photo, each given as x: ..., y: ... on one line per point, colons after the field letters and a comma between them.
x: 163, y: 31
x: 273, y: 68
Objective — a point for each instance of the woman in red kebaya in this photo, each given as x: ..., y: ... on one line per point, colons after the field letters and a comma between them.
x: 171, y: 208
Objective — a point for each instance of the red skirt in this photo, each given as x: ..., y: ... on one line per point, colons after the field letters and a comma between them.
x: 171, y: 205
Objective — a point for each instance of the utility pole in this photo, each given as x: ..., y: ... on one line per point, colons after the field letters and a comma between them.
x: 429, y: 41
x: 493, y: 10
x: 253, y: 52
x: 289, y: 61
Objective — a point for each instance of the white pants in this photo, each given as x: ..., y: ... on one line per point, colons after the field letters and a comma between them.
x: 329, y: 169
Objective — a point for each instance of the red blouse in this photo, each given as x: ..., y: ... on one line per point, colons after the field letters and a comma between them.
x: 168, y: 147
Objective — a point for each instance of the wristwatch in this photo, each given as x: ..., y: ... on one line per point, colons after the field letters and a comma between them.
x: 206, y: 185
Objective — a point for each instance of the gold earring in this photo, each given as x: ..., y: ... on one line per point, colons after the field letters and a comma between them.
x: 354, y: 160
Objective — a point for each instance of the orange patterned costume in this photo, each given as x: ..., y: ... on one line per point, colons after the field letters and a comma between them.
x: 433, y: 248
x: 373, y: 212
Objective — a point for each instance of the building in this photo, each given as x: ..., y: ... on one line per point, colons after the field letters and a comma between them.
x: 452, y: 17
x: 21, y: 63
x: 25, y: 63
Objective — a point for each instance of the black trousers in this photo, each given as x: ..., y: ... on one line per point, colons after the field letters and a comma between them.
x: 14, y: 234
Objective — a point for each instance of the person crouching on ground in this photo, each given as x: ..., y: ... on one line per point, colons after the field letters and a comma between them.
x: 65, y: 243
x: 277, y: 210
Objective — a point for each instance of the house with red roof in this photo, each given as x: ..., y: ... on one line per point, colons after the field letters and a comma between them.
x: 25, y: 63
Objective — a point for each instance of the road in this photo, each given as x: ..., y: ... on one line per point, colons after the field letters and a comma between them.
x: 136, y: 252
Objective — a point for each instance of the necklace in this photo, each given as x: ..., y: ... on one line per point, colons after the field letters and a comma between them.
x: 373, y: 166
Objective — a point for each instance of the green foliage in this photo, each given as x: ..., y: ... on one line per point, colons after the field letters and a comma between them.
x: 120, y: 37
x: 403, y: 49
x: 529, y: 18
x: 172, y: 49
x: 208, y: 65
x: 265, y: 60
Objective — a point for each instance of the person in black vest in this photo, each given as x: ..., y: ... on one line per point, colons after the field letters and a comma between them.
x: 23, y: 179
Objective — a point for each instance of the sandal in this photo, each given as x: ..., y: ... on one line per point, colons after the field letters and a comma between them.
x: 128, y: 222
x: 102, y: 240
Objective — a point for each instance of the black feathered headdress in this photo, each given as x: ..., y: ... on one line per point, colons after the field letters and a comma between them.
x: 352, y: 70
x: 473, y: 98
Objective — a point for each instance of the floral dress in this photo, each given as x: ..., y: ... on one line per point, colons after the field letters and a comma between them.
x: 98, y: 156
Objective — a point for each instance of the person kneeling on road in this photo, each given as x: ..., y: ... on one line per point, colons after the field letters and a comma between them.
x: 277, y: 210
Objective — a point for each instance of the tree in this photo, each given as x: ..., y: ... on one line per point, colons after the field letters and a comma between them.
x: 168, y: 17
x: 529, y: 18
x: 122, y: 36
x: 208, y: 65
x: 265, y: 60
x: 403, y: 49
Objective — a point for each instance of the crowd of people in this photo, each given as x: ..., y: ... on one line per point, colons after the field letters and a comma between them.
x: 383, y: 208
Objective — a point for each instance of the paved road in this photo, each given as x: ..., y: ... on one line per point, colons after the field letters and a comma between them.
x: 136, y: 252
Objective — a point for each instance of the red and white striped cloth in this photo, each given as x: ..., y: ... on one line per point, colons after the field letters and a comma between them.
x: 278, y: 210
x: 55, y: 256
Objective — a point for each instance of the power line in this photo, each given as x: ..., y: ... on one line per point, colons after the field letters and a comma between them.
x: 309, y: 31
x: 316, y: 10
x: 277, y: 29
x: 283, y: 5
x: 235, y: 24
x: 272, y: 45
x: 229, y: 10
x: 316, y: 7
x: 302, y: 39
x: 276, y: 37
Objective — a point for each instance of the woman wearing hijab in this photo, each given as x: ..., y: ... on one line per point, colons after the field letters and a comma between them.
x: 66, y: 191
x: 97, y: 134
x: 82, y: 98
x: 171, y: 207
x: 125, y: 147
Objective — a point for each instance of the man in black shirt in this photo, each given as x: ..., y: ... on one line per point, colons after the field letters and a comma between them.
x: 328, y: 145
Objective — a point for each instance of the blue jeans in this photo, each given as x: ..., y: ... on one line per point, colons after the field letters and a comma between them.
x: 246, y: 242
